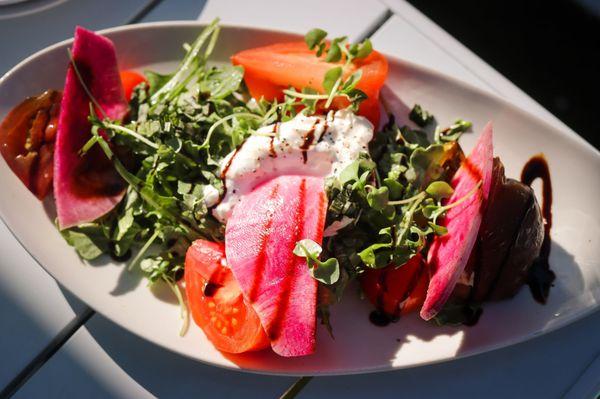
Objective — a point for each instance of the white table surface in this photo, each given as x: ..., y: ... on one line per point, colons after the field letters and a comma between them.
x: 103, y: 360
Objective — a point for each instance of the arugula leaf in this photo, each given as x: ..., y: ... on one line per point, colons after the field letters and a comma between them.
x: 189, y: 65
x: 125, y: 233
x: 156, y: 80
x: 90, y: 240
x: 221, y: 82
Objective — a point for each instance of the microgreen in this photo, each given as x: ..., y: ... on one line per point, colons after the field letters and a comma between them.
x: 338, y: 50
x: 393, y: 196
x: 327, y: 271
x: 453, y: 132
x: 315, y: 39
x: 439, y: 190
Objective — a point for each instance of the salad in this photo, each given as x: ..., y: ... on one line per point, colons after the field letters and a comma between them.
x: 264, y: 191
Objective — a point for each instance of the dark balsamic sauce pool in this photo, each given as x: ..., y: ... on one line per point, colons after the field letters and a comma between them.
x: 381, y: 319
x: 540, y: 277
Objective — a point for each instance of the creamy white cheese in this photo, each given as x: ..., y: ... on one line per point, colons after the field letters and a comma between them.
x: 210, y: 195
x: 308, y: 145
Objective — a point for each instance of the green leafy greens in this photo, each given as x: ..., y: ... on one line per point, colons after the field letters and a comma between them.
x: 383, y: 208
x: 393, y: 197
x: 181, y: 125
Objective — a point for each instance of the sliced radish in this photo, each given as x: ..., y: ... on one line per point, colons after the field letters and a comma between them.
x: 449, y: 254
x: 86, y: 188
x: 259, y: 239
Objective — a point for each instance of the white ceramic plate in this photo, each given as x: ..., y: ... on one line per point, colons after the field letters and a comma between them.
x: 358, y: 346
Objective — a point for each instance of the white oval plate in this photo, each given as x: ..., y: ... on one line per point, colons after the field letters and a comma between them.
x: 358, y: 346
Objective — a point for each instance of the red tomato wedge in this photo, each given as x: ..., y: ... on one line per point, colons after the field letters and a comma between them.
x: 129, y: 80
x: 270, y: 69
x: 397, y: 291
x: 216, y: 301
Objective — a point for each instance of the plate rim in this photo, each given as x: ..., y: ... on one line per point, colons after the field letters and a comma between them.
x: 462, y: 84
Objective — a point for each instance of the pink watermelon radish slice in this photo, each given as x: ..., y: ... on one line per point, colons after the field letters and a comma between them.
x: 87, y: 187
x: 449, y: 254
x: 259, y: 239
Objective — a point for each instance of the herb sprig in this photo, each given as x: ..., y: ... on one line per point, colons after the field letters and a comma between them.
x: 335, y: 85
x: 327, y: 271
x: 394, y: 197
